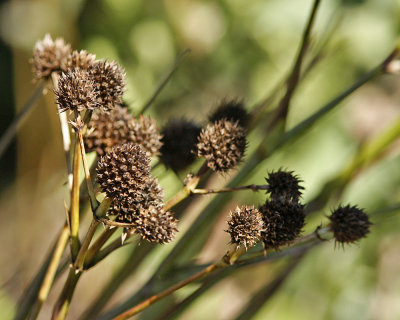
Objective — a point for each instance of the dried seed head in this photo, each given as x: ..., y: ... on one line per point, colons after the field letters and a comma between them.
x: 76, y: 92
x: 245, y: 226
x: 179, y: 143
x: 119, y: 126
x: 222, y: 144
x: 156, y: 225
x: 152, y: 195
x: 283, y: 221
x: 284, y: 184
x: 123, y: 173
x: 49, y: 56
x: 81, y: 60
x: 109, y: 83
x: 145, y: 133
x: 231, y: 110
x: 349, y: 224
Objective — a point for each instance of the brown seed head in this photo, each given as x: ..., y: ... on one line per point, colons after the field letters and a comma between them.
x: 123, y: 173
x: 349, y: 224
x: 156, y: 225
x: 222, y: 144
x: 109, y: 80
x: 245, y: 226
x: 152, y: 195
x: 81, y: 60
x: 117, y: 127
x: 231, y: 110
x: 283, y: 221
x: 50, y: 56
x: 284, y: 184
x: 76, y: 92
x: 179, y: 143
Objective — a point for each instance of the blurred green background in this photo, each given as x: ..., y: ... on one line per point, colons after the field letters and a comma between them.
x: 239, y: 48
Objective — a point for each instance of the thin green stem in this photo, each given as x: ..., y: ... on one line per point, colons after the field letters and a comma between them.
x: 10, y: 132
x: 164, y: 81
x: 74, y: 207
x: 97, y: 245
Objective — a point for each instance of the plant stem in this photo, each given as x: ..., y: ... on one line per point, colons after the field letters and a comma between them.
x: 51, y: 272
x: 62, y: 305
x: 10, y: 132
x: 163, y: 83
x: 74, y: 207
x: 95, y: 248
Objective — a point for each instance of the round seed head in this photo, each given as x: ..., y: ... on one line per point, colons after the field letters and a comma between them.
x: 109, y: 83
x: 284, y: 184
x: 179, y: 143
x: 156, y: 225
x: 145, y: 133
x: 283, y: 221
x: 81, y: 60
x: 245, y: 226
x: 49, y: 56
x: 152, y: 195
x: 349, y: 224
x: 222, y: 144
x: 117, y: 127
x: 231, y: 110
x: 123, y: 173
x: 76, y: 92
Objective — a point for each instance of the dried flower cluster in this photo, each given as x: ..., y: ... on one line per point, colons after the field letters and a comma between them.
x: 50, y: 56
x: 222, y: 144
x: 81, y: 60
x: 124, y: 175
x: 76, y: 92
x: 107, y: 130
x: 245, y: 226
x: 284, y: 184
x: 349, y: 224
x: 179, y: 143
x: 231, y: 110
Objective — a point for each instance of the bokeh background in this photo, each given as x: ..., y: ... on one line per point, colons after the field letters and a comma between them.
x: 239, y: 48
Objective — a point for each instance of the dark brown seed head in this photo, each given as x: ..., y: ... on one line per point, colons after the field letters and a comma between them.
x: 284, y: 184
x: 49, y: 56
x: 76, y: 92
x: 81, y: 60
x: 283, y: 221
x: 117, y: 127
x: 231, y: 110
x: 349, y: 224
x: 222, y: 144
x: 179, y: 143
x: 152, y: 195
x: 156, y: 225
x: 123, y: 173
x: 109, y: 79
x: 245, y: 226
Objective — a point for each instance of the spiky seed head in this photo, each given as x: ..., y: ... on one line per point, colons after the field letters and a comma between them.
x: 245, y: 226
x: 50, y: 56
x: 152, y: 195
x: 81, y: 60
x: 349, y: 224
x: 283, y: 221
x: 231, y: 110
x: 179, y: 143
x: 109, y: 79
x: 156, y: 225
x: 117, y: 127
x: 284, y: 184
x: 145, y: 133
x: 123, y: 173
x: 222, y: 143
x: 76, y: 92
